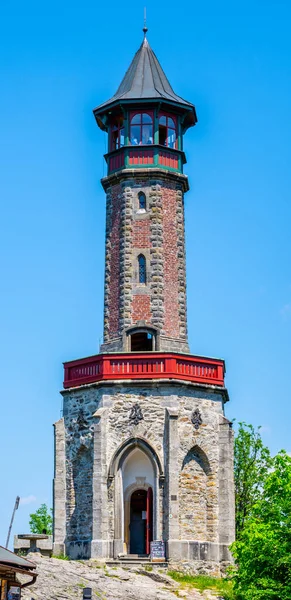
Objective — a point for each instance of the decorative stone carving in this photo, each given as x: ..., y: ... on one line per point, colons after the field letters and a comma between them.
x: 196, y: 418
x: 135, y: 415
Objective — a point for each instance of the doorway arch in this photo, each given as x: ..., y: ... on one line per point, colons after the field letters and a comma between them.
x: 135, y: 467
x: 138, y: 481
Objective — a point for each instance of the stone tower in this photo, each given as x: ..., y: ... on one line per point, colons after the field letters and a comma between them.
x: 143, y: 451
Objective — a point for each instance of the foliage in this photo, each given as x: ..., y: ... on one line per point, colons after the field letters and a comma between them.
x: 41, y: 520
x: 263, y: 551
x: 252, y: 462
x: 204, y: 582
x: 21, y: 552
x: 60, y: 556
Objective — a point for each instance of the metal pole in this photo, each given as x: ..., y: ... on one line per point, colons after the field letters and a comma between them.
x: 12, y: 519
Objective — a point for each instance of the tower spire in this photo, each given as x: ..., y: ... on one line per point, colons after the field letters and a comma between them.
x: 145, y: 29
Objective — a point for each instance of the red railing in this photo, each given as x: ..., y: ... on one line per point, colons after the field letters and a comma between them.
x: 150, y: 365
x: 116, y: 161
x: 141, y: 156
x: 169, y: 159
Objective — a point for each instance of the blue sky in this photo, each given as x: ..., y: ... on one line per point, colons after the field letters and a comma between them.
x: 58, y: 61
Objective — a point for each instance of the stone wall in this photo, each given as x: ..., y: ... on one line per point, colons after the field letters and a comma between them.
x: 79, y: 427
x: 157, y: 232
x: 182, y: 429
x: 199, y: 465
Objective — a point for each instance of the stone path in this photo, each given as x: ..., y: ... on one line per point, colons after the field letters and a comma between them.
x: 65, y: 580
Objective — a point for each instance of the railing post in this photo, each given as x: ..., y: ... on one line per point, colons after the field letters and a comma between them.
x: 170, y: 365
x: 220, y: 373
x: 106, y: 366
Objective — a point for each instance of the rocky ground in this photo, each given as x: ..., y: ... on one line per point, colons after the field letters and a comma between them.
x: 65, y: 580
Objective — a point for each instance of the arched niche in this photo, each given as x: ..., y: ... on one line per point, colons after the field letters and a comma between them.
x: 197, y: 454
x: 196, y: 515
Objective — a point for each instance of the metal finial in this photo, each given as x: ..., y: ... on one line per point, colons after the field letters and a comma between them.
x: 145, y: 29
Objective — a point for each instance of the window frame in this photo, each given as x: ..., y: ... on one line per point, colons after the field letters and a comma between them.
x: 142, y: 274
x: 174, y: 118
x: 141, y: 112
x: 118, y: 128
x: 142, y: 195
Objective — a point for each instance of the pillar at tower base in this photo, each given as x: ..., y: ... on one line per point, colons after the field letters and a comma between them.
x: 118, y: 548
x: 59, y: 549
x: 101, y: 548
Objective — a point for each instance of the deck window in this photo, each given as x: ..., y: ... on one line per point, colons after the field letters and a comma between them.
x: 167, y: 131
x: 141, y: 129
x: 117, y: 133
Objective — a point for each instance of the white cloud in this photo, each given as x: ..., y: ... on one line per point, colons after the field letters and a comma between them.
x: 27, y: 500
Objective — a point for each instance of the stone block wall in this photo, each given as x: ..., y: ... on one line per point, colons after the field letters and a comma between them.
x: 193, y: 493
x: 157, y: 232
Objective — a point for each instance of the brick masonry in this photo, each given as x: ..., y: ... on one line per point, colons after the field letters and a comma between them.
x: 141, y: 308
x: 158, y: 234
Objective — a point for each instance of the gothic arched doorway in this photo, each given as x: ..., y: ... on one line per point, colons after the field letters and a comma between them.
x: 135, y: 468
x: 141, y: 521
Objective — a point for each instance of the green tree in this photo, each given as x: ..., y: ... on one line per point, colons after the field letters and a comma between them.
x: 41, y: 520
x: 263, y: 552
x: 252, y: 462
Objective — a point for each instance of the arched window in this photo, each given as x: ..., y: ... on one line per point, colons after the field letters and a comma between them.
x: 117, y: 133
x: 141, y: 129
x: 142, y: 203
x: 142, y: 276
x: 167, y: 131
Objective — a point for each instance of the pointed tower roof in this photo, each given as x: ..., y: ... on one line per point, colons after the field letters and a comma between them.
x: 146, y: 80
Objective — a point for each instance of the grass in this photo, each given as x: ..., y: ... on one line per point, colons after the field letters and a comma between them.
x: 60, y: 556
x: 204, y: 582
x: 148, y: 568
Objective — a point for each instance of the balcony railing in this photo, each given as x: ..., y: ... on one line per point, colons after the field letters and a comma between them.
x: 150, y: 365
x: 150, y: 156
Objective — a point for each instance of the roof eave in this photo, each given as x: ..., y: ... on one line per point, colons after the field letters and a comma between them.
x: 99, y: 111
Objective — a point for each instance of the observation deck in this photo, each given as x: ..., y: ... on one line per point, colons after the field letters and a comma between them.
x: 144, y: 366
x: 149, y: 156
